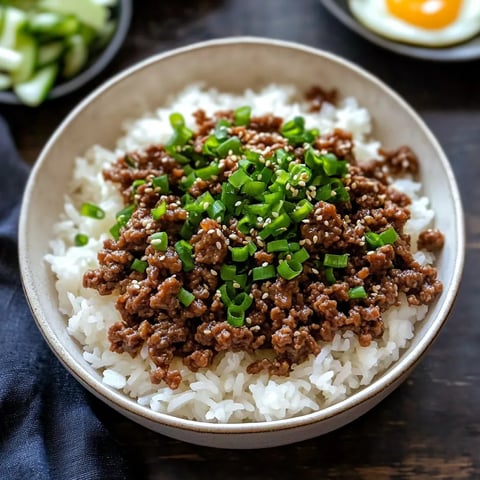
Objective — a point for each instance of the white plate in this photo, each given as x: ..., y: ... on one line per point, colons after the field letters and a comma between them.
x: 464, y: 51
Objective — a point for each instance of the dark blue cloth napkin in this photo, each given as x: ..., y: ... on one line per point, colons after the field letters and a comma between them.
x: 47, y: 427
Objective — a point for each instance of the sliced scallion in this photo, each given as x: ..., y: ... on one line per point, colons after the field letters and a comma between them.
x: 289, y: 269
x: 184, y: 252
x: 159, y: 211
x: 91, y: 210
x: 263, y: 273
x: 335, y: 261
x: 159, y: 241
x: 139, y: 265
x: 81, y: 239
x: 357, y: 292
x: 185, y: 297
x: 242, y: 115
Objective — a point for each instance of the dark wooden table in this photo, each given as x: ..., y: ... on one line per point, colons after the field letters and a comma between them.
x: 429, y: 428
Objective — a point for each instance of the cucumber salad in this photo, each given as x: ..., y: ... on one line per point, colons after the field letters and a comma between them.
x: 43, y: 42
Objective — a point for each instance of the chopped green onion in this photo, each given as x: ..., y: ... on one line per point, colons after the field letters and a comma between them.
x: 300, y: 256
x: 241, y: 302
x: 221, y: 130
x: 389, y: 236
x: 124, y: 215
x: 242, y: 115
x: 176, y: 120
x: 92, y: 211
x: 302, y: 210
x: 136, y: 184
x: 253, y: 188
x: 293, y: 127
x: 263, y: 273
x: 357, y: 292
x: 184, y: 252
x: 240, y: 254
x: 159, y: 211
x: 373, y: 239
x: 335, y: 261
x: 330, y: 276
x: 115, y: 231
x: 80, y: 239
x: 216, y: 210
x: 139, y: 265
x: 252, y: 248
x: 161, y: 183
x: 233, y: 144
x: 235, y: 318
x: 299, y: 173
x: 376, y: 240
x: 278, y: 246
x: 205, y: 173
x: 228, y: 272
x: 289, y: 269
x: 185, y: 297
x: 210, y: 145
x: 159, y: 241
x: 238, y: 178
x: 277, y: 226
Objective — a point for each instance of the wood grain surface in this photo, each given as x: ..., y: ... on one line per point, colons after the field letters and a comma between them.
x: 429, y: 428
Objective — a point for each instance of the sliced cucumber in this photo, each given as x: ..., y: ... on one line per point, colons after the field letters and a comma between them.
x: 27, y: 47
x: 87, y: 11
x: 53, y: 24
x: 49, y: 52
x: 12, y: 21
x: 34, y: 91
x: 5, y: 81
x: 9, y: 59
x: 75, y: 57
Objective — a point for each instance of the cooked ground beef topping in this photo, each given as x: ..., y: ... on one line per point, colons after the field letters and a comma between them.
x: 202, y: 263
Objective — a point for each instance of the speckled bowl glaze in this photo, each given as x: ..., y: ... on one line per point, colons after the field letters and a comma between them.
x: 230, y: 64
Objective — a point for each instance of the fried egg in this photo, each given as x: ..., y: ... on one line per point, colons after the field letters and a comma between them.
x: 432, y: 23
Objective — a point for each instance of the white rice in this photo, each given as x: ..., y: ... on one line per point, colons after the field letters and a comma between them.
x: 225, y: 392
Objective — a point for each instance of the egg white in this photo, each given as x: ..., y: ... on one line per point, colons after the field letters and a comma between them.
x: 374, y: 15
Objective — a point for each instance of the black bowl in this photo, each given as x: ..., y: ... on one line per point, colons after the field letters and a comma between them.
x: 123, y: 13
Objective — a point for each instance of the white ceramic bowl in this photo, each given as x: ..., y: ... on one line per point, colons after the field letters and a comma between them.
x: 232, y: 65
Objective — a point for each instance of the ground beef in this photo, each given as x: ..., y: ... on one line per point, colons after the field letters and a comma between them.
x: 289, y: 317
x: 431, y: 240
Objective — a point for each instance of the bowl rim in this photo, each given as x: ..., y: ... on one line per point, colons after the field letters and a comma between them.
x: 118, y: 399
x: 95, y: 68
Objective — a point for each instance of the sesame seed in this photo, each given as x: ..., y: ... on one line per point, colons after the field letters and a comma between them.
x: 315, y: 271
x: 264, y: 296
x: 212, y: 230
x: 301, y: 242
x: 218, y: 245
x: 162, y: 258
x: 205, y: 205
x: 213, y: 272
x: 315, y: 238
x: 265, y: 264
x: 236, y: 285
x: 275, y: 214
x: 238, y: 203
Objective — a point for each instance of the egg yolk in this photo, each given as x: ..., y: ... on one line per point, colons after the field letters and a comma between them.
x: 431, y: 14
